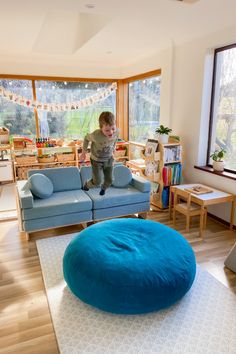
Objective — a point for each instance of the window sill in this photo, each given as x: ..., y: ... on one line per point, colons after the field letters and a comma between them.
x: 209, y: 169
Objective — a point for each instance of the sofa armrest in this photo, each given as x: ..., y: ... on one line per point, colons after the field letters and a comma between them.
x: 25, y: 196
x: 140, y: 183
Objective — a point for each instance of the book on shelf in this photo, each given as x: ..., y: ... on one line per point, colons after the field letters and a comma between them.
x: 172, y: 153
x: 172, y: 174
x: 151, y: 168
x: 151, y: 147
x: 138, y: 162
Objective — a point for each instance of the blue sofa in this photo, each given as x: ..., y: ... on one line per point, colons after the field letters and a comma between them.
x: 69, y: 204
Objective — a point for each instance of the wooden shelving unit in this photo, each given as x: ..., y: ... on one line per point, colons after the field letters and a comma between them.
x: 21, y: 168
x: 168, y: 159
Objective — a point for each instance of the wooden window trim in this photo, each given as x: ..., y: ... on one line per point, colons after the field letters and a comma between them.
x: 225, y: 173
x: 54, y: 78
x: 68, y: 79
x: 208, y: 165
x: 145, y: 75
x: 125, y: 82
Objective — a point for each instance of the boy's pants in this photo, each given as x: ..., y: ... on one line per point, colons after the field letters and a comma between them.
x: 101, y: 171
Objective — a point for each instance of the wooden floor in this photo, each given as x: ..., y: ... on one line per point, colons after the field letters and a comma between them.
x: 25, y: 322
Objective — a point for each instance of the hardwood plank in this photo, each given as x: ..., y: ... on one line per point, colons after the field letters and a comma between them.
x: 25, y: 321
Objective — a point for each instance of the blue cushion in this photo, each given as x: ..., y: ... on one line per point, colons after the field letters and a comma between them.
x: 60, y: 203
x: 129, y: 266
x: 40, y: 185
x: 122, y: 176
x: 63, y: 179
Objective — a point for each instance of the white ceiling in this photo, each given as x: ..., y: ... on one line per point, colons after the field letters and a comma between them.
x: 113, y: 33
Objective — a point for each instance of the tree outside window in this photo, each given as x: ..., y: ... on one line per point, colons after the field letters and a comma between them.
x: 18, y: 119
x: 144, y: 108
x: 223, y: 108
x: 71, y: 124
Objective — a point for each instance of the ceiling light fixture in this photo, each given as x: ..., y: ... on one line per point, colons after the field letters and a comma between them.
x: 90, y: 6
x: 188, y: 1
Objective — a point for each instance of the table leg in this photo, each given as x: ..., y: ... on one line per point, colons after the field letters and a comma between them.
x: 232, y: 214
x: 202, y: 221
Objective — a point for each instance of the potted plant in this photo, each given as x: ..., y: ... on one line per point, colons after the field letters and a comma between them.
x: 217, y: 157
x: 163, y: 133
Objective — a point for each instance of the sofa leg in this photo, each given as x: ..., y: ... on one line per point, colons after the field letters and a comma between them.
x: 25, y: 234
x: 142, y: 215
x: 84, y: 225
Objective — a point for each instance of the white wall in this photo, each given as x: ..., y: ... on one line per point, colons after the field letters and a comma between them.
x: 185, y: 102
x: 190, y: 108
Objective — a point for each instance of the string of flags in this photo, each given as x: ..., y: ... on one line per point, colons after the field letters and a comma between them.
x: 58, y: 107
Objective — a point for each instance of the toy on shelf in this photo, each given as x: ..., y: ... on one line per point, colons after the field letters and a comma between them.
x: 45, y: 142
x: 22, y: 142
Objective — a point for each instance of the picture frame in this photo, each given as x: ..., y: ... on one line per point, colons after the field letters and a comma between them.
x: 151, y: 147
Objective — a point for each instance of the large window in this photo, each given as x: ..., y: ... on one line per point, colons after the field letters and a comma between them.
x: 65, y: 123
x: 18, y: 119
x: 76, y: 123
x: 222, y: 133
x: 144, y: 108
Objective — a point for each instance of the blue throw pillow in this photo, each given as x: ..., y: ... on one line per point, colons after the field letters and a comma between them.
x: 40, y: 185
x: 122, y: 176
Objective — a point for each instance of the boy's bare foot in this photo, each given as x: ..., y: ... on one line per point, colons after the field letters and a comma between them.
x: 85, y: 187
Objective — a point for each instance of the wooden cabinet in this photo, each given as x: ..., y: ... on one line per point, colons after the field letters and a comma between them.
x: 6, y: 171
x: 48, y: 157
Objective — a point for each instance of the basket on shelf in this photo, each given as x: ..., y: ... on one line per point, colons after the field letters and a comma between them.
x: 63, y: 157
x: 25, y: 159
x: 46, y: 159
x: 120, y: 153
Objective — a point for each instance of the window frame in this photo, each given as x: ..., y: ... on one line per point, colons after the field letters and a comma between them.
x: 211, y: 119
x: 55, y: 78
x: 126, y: 82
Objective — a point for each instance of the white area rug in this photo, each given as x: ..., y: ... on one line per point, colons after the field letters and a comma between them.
x: 7, y: 202
x: 203, y: 322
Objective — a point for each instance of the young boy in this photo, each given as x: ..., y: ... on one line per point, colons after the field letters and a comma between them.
x: 103, y: 142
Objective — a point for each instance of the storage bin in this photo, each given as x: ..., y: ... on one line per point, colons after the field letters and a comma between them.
x: 24, y: 159
x: 65, y: 157
x: 120, y: 153
x: 46, y: 159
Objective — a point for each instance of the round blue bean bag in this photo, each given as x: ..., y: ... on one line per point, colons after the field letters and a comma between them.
x: 129, y: 266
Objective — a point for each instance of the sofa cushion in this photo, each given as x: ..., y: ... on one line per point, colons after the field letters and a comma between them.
x: 59, y: 203
x: 121, y: 210
x: 122, y: 176
x: 86, y: 172
x: 40, y: 185
x: 63, y: 178
x: 26, y: 199
x: 117, y: 196
x: 57, y: 221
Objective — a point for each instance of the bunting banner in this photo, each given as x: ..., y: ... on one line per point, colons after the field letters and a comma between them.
x: 58, y: 107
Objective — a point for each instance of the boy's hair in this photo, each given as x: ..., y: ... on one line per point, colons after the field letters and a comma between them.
x: 106, y: 118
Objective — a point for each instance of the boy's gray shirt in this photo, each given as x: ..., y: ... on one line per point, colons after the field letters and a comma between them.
x: 102, y: 147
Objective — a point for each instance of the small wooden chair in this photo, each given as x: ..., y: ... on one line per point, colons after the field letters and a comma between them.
x: 184, y: 205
